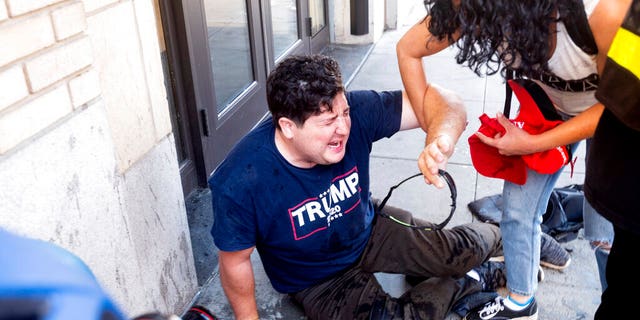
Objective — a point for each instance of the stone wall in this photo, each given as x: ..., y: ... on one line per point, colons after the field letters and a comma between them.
x: 87, y: 156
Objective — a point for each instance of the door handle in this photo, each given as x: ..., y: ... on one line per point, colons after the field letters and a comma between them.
x: 204, y: 119
x: 309, y: 25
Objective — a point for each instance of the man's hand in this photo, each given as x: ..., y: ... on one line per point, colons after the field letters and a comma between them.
x: 435, y: 156
x: 444, y: 119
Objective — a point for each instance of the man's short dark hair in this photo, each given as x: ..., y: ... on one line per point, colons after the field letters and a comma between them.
x: 301, y: 86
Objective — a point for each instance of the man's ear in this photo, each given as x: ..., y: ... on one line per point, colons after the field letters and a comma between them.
x: 287, y: 126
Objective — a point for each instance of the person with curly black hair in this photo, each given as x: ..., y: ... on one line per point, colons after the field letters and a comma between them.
x: 538, y: 40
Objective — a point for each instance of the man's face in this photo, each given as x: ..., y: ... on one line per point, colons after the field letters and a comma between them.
x: 322, y: 139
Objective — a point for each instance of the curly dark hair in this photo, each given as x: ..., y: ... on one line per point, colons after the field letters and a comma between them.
x: 303, y: 85
x: 493, y: 32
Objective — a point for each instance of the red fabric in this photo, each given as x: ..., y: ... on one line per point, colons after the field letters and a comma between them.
x: 533, y: 122
x: 489, y: 162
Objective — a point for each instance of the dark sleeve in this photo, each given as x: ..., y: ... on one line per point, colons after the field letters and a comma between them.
x: 378, y: 113
x: 234, y: 225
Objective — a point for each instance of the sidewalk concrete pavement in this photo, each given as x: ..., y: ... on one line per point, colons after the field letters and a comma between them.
x: 570, y: 294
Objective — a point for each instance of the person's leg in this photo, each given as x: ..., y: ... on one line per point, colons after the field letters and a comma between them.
x: 524, y: 206
x: 602, y: 258
x: 394, y: 248
x: 621, y: 269
x: 350, y: 295
x: 357, y: 294
x: 599, y: 231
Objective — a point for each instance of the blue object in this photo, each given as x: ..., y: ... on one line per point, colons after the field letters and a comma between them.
x: 42, y: 281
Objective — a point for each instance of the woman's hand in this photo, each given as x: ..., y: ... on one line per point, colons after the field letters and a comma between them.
x: 515, y: 141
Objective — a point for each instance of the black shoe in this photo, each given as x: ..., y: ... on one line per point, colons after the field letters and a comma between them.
x: 496, y: 310
x: 414, y: 280
x: 540, y: 271
x: 493, y: 275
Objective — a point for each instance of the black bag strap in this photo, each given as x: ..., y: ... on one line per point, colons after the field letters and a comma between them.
x: 542, y: 100
x: 577, y: 23
x: 508, y: 93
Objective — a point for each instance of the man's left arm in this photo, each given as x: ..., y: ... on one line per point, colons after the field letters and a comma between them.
x: 444, y: 120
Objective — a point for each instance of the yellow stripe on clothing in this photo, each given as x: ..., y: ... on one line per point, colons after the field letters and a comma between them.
x: 625, y: 51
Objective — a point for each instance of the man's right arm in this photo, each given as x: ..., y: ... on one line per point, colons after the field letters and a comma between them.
x: 236, y: 276
x: 415, y: 44
x: 442, y: 118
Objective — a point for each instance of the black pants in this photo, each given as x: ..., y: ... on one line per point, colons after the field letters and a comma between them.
x: 443, y: 257
x: 622, y: 278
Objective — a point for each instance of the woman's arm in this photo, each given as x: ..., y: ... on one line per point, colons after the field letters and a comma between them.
x: 516, y: 141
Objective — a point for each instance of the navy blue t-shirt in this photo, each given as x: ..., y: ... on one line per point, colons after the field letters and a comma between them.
x: 307, y: 224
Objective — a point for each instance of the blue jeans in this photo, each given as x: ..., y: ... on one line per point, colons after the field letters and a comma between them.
x: 522, y: 213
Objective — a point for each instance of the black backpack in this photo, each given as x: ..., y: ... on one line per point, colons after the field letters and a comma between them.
x: 562, y: 220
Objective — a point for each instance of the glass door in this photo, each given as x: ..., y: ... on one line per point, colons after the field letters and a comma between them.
x: 229, y: 40
x: 285, y: 26
x: 220, y: 52
x: 295, y: 27
x: 224, y: 48
x: 318, y: 25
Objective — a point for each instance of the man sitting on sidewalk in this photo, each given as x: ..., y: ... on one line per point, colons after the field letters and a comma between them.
x: 297, y: 188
